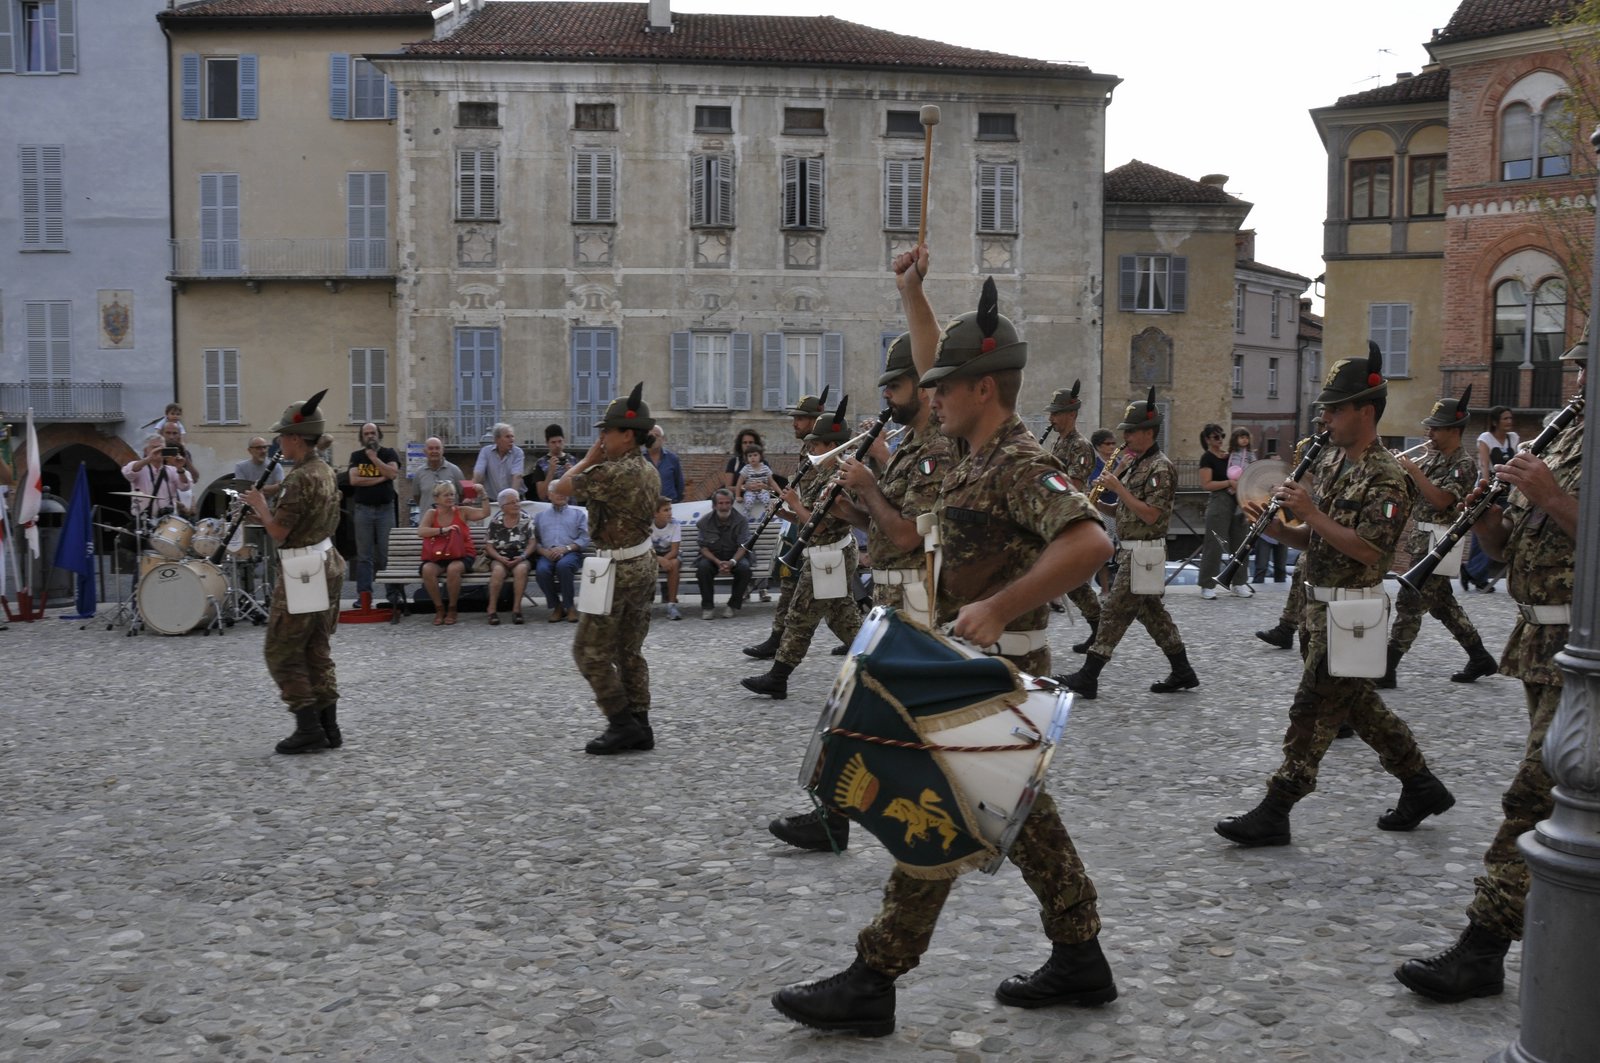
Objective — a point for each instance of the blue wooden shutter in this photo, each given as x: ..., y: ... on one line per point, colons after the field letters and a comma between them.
x: 393, y: 94
x: 247, y: 86
x: 189, y: 92
x: 772, y: 371
x: 339, y: 85
x: 1179, y: 300
x: 9, y: 37
x: 1127, y: 281
x: 791, y: 194
x: 816, y: 201
x: 722, y: 192
x: 699, y: 202
x: 680, y: 371
x: 739, y: 368
x: 67, y: 36
x: 831, y: 373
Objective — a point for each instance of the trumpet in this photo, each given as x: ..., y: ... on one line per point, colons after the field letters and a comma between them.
x: 1419, y: 448
x: 833, y: 455
x: 1119, y: 466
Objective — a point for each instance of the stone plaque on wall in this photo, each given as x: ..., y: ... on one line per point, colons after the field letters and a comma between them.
x: 997, y: 254
x: 592, y: 247
x: 802, y: 250
x: 475, y: 248
x: 713, y: 249
x: 116, y: 319
x: 1150, y: 361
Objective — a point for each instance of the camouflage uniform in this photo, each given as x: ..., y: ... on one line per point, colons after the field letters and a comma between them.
x: 999, y: 508
x: 1539, y: 556
x: 1151, y: 479
x: 1456, y: 473
x: 621, y: 497
x: 910, y: 484
x: 296, y: 645
x: 805, y: 610
x: 1077, y: 458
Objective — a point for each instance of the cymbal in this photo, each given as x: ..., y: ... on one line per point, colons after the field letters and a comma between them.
x: 135, y: 494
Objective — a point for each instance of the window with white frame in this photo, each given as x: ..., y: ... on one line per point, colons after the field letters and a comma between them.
x: 1272, y: 378
x: 1238, y: 375
x: 1153, y: 283
x: 367, y: 222
x: 1535, y: 143
x: 217, y: 87
x: 221, y: 368
x: 38, y: 36
x: 997, y: 197
x: 711, y: 191
x: 1276, y: 310
x: 796, y: 364
x: 594, y: 187
x: 804, y: 203
x: 1389, y: 326
x: 902, y: 194
x: 357, y: 90
x: 44, y: 219
x: 369, y: 385
x: 48, y: 324
x: 477, y: 184
x: 1371, y: 188
x: 220, y: 246
x: 710, y: 370
x: 1530, y: 324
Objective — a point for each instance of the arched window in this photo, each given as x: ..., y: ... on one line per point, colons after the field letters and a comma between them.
x: 1535, y: 143
x: 1530, y: 328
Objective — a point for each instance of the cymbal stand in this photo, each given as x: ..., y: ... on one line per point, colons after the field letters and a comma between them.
x: 243, y: 605
x: 127, y: 607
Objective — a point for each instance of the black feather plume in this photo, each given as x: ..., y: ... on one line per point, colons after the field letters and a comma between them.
x: 1150, y: 399
x: 1464, y: 402
x: 838, y: 415
x: 1076, y: 384
x: 310, y: 406
x: 1374, y: 358
x: 988, y: 308
x: 822, y: 403
x: 636, y: 396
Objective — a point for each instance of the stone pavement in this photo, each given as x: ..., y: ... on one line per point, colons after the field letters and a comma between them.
x: 461, y: 882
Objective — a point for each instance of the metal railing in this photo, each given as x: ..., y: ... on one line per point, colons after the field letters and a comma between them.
x: 311, y: 257
x: 469, y: 426
x: 61, y: 400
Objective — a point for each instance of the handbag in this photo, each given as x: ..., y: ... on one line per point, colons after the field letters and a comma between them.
x: 447, y: 546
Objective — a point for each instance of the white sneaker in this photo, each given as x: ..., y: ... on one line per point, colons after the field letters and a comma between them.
x: 1208, y: 593
x: 707, y: 614
x: 724, y: 613
x: 672, y: 611
x: 1243, y: 590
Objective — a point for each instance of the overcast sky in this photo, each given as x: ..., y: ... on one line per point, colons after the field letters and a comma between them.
x: 1206, y: 88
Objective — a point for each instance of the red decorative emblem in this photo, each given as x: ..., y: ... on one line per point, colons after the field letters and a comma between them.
x: 989, y: 344
x: 1374, y: 379
x: 297, y: 417
x: 629, y: 413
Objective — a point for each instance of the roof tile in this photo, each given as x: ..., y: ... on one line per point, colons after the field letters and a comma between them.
x: 300, y: 8
x: 1139, y: 182
x: 1428, y: 87
x: 1490, y: 18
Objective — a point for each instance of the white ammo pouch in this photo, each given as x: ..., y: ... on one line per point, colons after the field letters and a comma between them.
x: 913, y: 591
x: 1358, y: 630
x: 1450, y: 565
x: 305, y: 583
x: 829, y: 572
x: 1148, y: 558
x: 597, y: 583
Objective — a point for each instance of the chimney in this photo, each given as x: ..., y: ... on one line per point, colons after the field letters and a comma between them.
x: 1404, y: 75
x: 1215, y: 180
x: 1244, y: 245
x: 660, y: 16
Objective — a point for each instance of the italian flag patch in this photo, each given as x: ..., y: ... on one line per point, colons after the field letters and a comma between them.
x: 925, y: 466
x: 1056, y: 482
x: 1389, y: 510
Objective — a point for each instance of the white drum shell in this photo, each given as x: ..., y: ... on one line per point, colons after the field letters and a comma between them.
x: 172, y: 537
x: 178, y: 597
x: 207, y: 537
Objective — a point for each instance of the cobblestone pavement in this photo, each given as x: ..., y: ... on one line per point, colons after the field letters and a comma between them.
x: 461, y: 882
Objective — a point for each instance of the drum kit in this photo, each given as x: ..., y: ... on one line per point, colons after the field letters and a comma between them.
x: 179, y: 585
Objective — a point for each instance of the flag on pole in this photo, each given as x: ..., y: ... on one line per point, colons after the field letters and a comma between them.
x: 75, y: 547
x: 5, y: 539
x: 32, y: 491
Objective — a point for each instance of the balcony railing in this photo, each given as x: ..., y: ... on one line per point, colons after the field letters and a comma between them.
x: 469, y: 426
x: 310, y: 258
x: 61, y: 400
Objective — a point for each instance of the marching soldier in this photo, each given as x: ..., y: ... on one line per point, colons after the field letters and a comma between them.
x: 803, y: 418
x: 1014, y: 535
x: 1076, y: 456
x: 1348, y: 541
x: 302, y: 525
x: 1144, y: 481
x: 619, y: 487
x: 1536, y: 536
x: 1442, y: 479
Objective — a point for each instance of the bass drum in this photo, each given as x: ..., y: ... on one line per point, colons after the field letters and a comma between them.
x: 178, y: 597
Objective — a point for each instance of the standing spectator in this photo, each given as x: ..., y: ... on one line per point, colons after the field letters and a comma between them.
x: 508, y: 545
x: 435, y: 471
x: 251, y: 468
x: 500, y: 463
x: 722, y: 533
x: 556, y: 461
x: 747, y: 438
x: 668, y: 467
x: 162, y: 473
x: 666, y: 540
x: 446, y: 518
x: 1222, y: 514
x: 562, y: 533
x: 172, y: 443
x: 373, y: 470
x: 1495, y: 447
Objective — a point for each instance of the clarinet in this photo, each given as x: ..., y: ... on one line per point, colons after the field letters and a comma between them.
x: 773, y: 506
x: 1493, y: 495
x: 1313, y: 452
x: 794, y: 557
x: 222, y: 551
x: 1047, y: 430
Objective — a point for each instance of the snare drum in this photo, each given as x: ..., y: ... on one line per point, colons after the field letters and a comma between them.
x: 178, y: 597
x: 208, y: 537
x: 172, y: 537
x: 937, y: 749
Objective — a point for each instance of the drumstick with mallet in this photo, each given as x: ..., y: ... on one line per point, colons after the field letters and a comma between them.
x: 930, y: 118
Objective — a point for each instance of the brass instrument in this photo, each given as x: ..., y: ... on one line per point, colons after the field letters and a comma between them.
x: 838, y: 451
x: 795, y: 556
x: 1422, y: 446
x: 1120, y: 463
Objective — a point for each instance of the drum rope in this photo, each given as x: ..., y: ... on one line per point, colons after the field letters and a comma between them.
x: 882, y: 691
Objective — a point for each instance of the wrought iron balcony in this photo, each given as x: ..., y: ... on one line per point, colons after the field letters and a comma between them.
x: 61, y: 400
x: 281, y: 258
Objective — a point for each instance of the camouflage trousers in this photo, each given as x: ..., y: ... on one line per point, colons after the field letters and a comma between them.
x: 1123, y: 607
x: 785, y: 597
x: 1323, y: 702
x: 1503, y: 887
x: 1294, y: 609
x: 806, y: 611
x: 296, y: 648
x: 608, y: 648
x: 895, y: 941
x: 1087, y: 601
x: 1438, y: 601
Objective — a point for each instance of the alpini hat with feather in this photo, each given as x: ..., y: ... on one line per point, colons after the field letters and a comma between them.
x: 810, y: 405
x: 1066, y: 400
x: 976, y: 343
x: 898, y: 363
x: 1578, y: 352
x: 301, y: 418
x: 832, y: 427
x: 1144, y: 414
x: 630, y: 412
x: 1349, y: 379
x: 1450, y: 413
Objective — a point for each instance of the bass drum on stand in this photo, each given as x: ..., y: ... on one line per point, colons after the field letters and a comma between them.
x: 178, y: 597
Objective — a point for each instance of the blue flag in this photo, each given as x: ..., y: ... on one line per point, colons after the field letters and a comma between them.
x: 75, y: 548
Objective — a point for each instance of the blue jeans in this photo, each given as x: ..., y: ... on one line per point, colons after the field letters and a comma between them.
x: 373, y: 524
x: 561, y: 573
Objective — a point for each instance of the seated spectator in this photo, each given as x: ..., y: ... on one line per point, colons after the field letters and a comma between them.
x: 446, y: 518
x: 507, y: 548
x: 562, y: 533
x: 666, y: 538
x: 722, y: 535
x: 754, y: 484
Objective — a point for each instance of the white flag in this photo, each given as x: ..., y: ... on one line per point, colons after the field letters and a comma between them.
x: 32, y: 491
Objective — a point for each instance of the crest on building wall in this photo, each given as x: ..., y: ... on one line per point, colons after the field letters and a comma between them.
x: 1150, y: 358
x: 116, y: 319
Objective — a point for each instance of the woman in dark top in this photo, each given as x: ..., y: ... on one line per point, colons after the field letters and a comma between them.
x: 747, y: 437
x: 1221, y: 509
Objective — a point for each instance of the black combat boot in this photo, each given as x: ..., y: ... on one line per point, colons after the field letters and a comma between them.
x: 818, y: 831
x: 1280, y: 635
x: 330, y: 725
x: 1265, y: 824
x: 840, y: 650
x: 857, y: 1000
x: 1083, y: 647
x: 775, y: 684
x: 1181, y: 677
x: 623, y: 733
x: 1473, y: 967
x: 308, y: 734
x: 1421, y: 796
x: 1085, y: 682
x: 642, y: 718
x: 765, y: 651
x: 1479, y: 663
x: 1074, y: 974
x: 1388, y: 680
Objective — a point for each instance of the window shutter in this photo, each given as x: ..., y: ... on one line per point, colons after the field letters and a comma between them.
x: 1178, y: 291
x: 9, y: 38
x: 679, y: 371
x: 1006, y: 197
x: 724, y: 193
x: 52, y: 195
x: 986, y: 197
x: 1399, y: 346
x: 392, y: 99
x: 593, y: 186
x: 377, y: 384
x: 358, y: 383
x: 816, y: 216
x: 739, y: 368
x: 698, y: 214
x: 488, y: 185
x: 894, y: 194
x: 67, y: 35
x: 339, y: 85
x: 32, y: 203
x: 832, y: 371
x: 230, y: 385
x: 772, y: 371
x: 355, y: 210
x: 38, y: 328
x: 247, y: 86
x: 189, y: 80
x: 1127, y: 281
x: 791, y: 195
x: 466, y: 184
x: 213, y: 385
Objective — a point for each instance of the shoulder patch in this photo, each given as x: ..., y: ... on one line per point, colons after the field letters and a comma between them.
x: 1389, y: 510
x: 926, y: 466
x: 1055, y: 481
